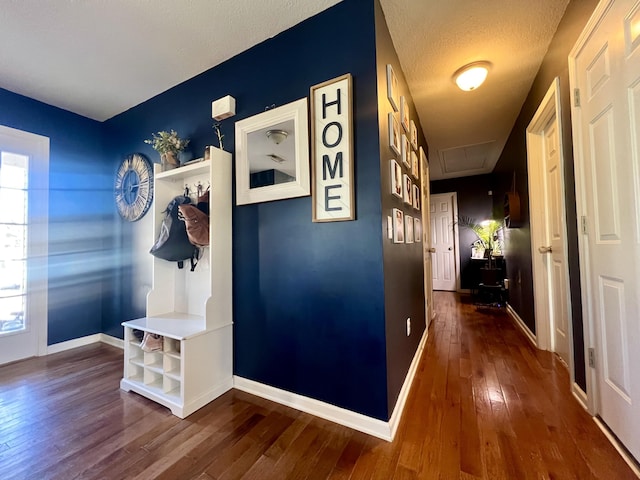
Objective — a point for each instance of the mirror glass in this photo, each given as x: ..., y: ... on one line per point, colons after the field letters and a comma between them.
x: 272, y: 154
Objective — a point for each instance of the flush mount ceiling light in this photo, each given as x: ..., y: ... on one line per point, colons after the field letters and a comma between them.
x: 471, y: 76
x: 277, y: 136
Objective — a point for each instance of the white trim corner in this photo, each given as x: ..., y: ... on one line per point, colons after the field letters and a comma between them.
x: 398, y: 410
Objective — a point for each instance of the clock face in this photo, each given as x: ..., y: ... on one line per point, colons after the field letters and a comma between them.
x: 134, y: 187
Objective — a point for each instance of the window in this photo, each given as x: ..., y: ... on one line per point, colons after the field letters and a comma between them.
x: 13, y: 241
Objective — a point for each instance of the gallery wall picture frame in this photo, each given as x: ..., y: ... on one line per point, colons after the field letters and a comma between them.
x: 393, y: 91
x: 416, y: 197
x: 408, y: 225
x: 414, y: 135
x: 404, y: 113
x: 415, y: 166
x: 405, y: 151
x: 396, y: 178
x: 407, y: 189
x: 394, y: 133
x: 417, y: 230
x: 398, y: 225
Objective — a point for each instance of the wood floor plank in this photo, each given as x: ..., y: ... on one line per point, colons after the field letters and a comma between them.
x: 485, y: 404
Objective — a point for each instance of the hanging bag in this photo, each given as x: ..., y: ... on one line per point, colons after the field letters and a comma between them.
x: 173, y: 243
x: 196, y: 219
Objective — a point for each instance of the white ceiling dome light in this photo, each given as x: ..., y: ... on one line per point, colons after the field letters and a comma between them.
x: 471, y: 76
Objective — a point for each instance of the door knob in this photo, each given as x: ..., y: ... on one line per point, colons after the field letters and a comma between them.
x: 432, y: 250
x: 450, y: 248
x: 544, y: 249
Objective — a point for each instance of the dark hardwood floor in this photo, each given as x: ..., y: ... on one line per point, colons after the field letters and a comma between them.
x: 484, y: 404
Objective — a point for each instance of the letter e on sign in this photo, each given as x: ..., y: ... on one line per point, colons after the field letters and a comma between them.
x: 332, y: 150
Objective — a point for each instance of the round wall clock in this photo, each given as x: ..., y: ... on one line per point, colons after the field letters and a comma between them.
x: 134, y: 187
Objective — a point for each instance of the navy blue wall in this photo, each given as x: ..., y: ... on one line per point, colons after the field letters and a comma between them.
x: 308, y: 297
x: 80, y: 213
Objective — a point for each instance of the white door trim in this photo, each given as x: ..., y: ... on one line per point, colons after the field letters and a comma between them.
x: 425, y: 191
x: 581, y: 204
x: 456, y: 237
x: 549, y: 108
x: 37, y: 147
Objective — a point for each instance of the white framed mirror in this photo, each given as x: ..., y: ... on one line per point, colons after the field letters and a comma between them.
x: 272, y: 155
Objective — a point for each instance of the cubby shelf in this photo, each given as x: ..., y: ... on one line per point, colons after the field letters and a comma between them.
x: 192, y: 311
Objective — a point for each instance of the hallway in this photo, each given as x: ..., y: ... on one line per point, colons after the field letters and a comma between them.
x: 484, y: 405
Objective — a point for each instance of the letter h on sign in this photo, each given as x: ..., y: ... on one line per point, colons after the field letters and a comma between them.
x: 332, y: 150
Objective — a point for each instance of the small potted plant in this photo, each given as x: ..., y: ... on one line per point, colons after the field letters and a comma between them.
x: 487, y: 232
x: 168, y: 145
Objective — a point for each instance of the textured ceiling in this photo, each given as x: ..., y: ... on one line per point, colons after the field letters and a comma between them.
x: 434, y: 38
x: 101, y: 57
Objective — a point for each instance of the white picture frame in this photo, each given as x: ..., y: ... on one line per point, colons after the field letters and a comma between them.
x: 393, y: 91
x: 408, y: 225
x: 415, y: 166
x: 416, y: 197
x: 417, y: 230
x: 404, y: 113
x: 407, y: 189
x: 396, y: 178
x: 414, y: 135
x: 394, y: 134
x: 398, y: 225
x: 405, y: 151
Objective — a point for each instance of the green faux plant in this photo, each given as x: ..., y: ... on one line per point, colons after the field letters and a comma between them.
x: 486, y: 231
x: 167, y: 142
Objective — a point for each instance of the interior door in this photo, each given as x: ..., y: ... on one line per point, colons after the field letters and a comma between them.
x: 443, y: 241
x: 605, y: 68
x: 426, y: 239
x: 555, y: 247
x: 23, y: 244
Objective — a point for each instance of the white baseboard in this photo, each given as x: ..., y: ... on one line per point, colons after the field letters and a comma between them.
x: 580, y: 395
x: 342, y: 416
x: 82, y: 341
x: 619, y: 447
x: 113, y: 341
x: 520, y: 323
x: 357, y: 421
x: 396, y: 416
x: 75, y: 343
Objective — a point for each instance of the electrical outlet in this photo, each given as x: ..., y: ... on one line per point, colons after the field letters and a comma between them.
x: 408, y: 326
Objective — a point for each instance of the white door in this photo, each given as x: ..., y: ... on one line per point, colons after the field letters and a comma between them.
x: 443, y: 241
x: 555, y: 231
x: 548, y: 228
x: 426, y: 239
x: 23, y: 244
x: 605, y: 67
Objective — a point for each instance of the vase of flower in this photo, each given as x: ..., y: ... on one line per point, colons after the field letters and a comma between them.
x: 169, y: 160
x: 168, y: 145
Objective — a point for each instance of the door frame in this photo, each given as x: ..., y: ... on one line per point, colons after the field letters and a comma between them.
x: 592, y: 400
x: 425, y: 189
x: 456, y: 237
x: 37, y: 148
x: 549, y: 107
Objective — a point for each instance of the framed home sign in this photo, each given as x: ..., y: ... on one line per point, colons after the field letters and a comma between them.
x: 332, y: 150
